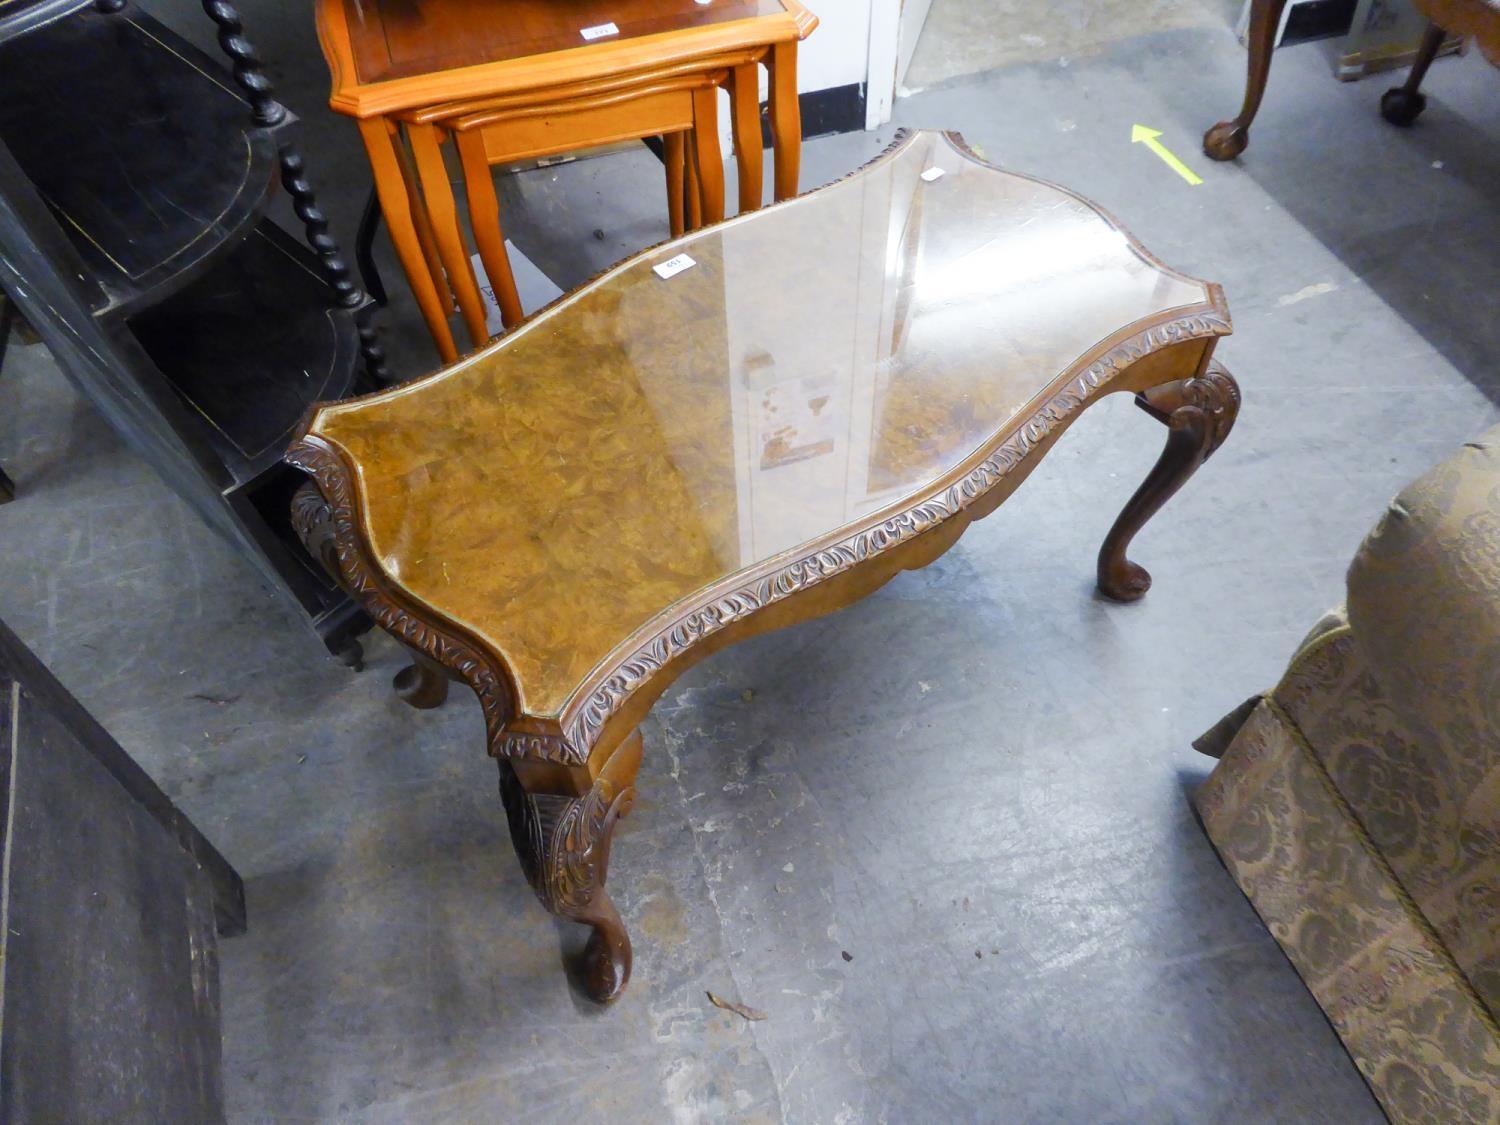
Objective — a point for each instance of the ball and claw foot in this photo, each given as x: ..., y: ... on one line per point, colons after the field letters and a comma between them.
x: 1401, y: 106
x: 1226, y: 140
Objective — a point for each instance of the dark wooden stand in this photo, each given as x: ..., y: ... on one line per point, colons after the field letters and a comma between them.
x: 134, y: 174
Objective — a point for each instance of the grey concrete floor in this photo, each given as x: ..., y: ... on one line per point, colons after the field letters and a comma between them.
x: 974, y: 783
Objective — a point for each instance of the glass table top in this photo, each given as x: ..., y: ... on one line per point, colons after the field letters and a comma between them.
x: 402, y: 38
x: 817, y: 363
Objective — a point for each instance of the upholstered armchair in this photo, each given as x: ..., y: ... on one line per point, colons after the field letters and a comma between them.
x: 1358, y: 803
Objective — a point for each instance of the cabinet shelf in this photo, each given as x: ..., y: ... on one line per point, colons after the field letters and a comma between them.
x: 250, y: 345
x: 140, y: 146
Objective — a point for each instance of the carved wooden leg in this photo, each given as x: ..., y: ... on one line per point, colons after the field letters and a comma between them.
x: 1199, y: 413
x: 1228, y: 139
x: 563, y: 844
x: 1403, y: 104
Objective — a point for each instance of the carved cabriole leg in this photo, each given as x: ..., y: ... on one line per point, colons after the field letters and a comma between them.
x: 1198, y: 413
x: 562, y: 839
x: 1228, y: 139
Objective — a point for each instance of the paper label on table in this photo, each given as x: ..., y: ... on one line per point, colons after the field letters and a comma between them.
x: 673, y: 266
x: 599, y: 31
x: 932, y: 174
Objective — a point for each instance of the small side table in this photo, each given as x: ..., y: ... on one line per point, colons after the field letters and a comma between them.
x: 390, y: 60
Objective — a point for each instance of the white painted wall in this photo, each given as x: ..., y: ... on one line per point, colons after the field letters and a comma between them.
x: 881, y: 59
x: 837, y: 53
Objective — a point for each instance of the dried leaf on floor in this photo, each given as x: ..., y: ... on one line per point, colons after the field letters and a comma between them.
x: 737, y: 1009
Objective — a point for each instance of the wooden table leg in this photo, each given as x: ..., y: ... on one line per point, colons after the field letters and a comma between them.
x: 1402, y: 105
x: 563, y: 841
x: 423, y: 683
x: 708, y: 159
x: 691, y: 193
x: 1228, y: 139
x: 443, y: 214
x: 423, y: 225
x: 786, y: 118
x: 1199, y: 413
x: 484, y: 218
x: 744, y: 101
x: 672, y: 157
x: 396, y: 204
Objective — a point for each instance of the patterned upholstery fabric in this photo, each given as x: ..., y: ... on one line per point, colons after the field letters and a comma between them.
x: 1358, y: 804
x: 1424, y: 603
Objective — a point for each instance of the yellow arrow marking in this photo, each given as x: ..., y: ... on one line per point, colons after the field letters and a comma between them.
x: 1141, y: 133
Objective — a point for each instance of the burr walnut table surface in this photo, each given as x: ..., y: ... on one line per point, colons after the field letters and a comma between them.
x: 655, y: 467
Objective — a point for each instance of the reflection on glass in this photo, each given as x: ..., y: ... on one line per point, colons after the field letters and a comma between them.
x: 821, y: 361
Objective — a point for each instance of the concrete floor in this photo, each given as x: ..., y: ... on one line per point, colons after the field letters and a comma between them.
x: 967, y: 37
x: 942, y: 838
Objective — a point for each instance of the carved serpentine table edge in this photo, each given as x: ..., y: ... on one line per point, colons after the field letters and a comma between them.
x: 458, y: 650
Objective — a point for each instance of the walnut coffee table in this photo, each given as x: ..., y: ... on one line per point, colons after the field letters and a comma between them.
x: 655, y: 467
